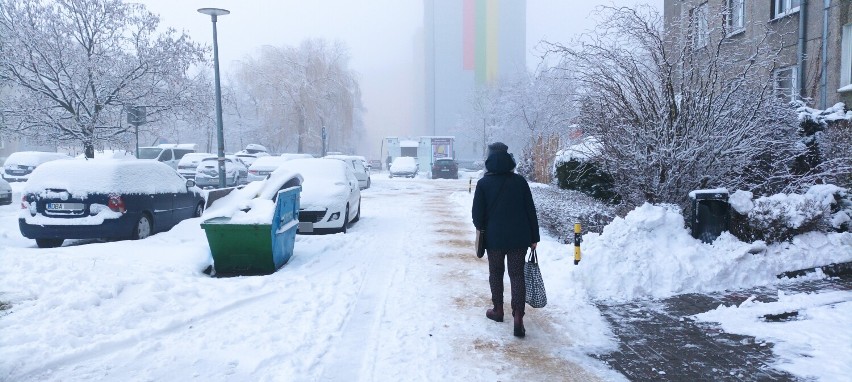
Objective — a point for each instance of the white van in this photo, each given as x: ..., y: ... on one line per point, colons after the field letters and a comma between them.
x: 170, y: 154
x: 19, y: 165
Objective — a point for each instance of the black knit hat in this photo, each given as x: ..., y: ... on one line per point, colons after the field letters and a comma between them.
x: 497, y: 147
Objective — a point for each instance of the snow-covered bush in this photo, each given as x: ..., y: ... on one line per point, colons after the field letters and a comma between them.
x: 558, y: 210
x: 780, y: 217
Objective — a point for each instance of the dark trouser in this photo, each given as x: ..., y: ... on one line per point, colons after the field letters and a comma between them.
x: 496, y: 268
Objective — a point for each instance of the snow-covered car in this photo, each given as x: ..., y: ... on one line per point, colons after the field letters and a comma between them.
x: 242, y: 168
x: 189, y: 164
x: 254, y: 149
x: 248, y: 159
x: 262, y: 167
x: 207, y: 172
x: 18, y: 166
x: 361, y: 172
x: 104, y: 199
x: 169, y: 154
x: 5, y: 193
x: 404, y: 167
x: 330, y: 199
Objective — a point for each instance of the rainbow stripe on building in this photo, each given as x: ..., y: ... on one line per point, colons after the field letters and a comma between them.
x: 481, y: 21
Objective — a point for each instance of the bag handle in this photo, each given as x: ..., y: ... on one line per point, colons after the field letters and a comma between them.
x: 533, y: 257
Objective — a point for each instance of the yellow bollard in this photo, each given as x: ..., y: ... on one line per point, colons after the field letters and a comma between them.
x: 577, y: 239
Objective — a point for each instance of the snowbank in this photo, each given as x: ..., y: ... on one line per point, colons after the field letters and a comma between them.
x: 81, y: 178
x: 815, y: 345
x: 589, y: 147
x: 649, y: 253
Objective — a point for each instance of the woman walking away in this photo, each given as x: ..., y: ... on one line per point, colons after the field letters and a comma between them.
x: 503, y: 207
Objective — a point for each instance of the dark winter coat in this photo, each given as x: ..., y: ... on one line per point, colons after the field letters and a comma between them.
x: 509, y: 220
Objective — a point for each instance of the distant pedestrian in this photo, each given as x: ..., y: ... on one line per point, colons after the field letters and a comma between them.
x: 388, y: 161
x: 503, y: 207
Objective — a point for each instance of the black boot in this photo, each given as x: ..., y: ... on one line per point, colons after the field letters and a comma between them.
x: 520, y: 332
x: 495, y: 314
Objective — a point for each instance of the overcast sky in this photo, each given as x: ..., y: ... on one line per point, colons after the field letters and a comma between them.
x: 379, y: 33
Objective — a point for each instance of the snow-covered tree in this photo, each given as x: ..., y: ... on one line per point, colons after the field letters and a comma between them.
x: 292, y: 93
x: 673, y: 112
x: 75, y: 65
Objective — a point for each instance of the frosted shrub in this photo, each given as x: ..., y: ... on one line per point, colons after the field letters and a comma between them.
x: 780, y: 217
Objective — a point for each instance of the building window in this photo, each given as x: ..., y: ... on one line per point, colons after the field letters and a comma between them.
x: 846, y: 59
x: 785, y: 83
x: 781, y: 8
x: 735, y: 20
x: 700, y: 33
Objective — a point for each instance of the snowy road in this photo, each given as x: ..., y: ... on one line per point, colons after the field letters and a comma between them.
x: 400, y: 297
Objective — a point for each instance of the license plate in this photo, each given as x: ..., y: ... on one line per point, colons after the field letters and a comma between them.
x: 446, y: 169
x: 306, y: 227
x: 65, y: 206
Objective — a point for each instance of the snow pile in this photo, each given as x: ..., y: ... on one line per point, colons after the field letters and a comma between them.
x: 253, y: 203
x: 649, y: 253
x: 815, y: 345
x: 741, y: 201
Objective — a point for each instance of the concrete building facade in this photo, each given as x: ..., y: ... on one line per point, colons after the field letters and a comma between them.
x: 468, y: 43
x: 813, y: 38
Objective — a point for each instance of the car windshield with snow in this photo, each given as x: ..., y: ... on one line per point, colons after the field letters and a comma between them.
x: 105, y: 199
x: 330, y: 199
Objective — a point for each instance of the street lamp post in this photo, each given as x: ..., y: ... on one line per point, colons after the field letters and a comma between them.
x: 214, y: 14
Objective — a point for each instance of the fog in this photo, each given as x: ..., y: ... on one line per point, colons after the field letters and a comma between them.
x: 381, y: 35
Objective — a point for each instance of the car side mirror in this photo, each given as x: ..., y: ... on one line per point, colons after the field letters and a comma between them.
x: 190, y: 183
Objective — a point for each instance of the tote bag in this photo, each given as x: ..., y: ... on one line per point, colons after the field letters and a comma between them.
x: 536, y: 296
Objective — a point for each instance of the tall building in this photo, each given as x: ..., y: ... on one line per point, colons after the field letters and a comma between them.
x: 814, y: 40
x: 468, y: 43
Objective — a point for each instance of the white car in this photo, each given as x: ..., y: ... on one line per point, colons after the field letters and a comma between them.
x: 254, y: 149
x: 262, y: 167
x: 330, y: 198
x: 207, y: 172
x: 296, y: 156
x: 5, y: 193
x: 19, y: 165
x: 189, y: 164
x: 404, y: 166
x: 169, y: 154
x: 248, y: 159
x: 361, y: 172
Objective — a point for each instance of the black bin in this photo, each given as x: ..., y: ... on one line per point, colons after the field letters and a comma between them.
x: 711, y: 214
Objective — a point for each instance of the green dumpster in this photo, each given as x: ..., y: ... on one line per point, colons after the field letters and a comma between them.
x: 244, y: 249
x: 255, y: 249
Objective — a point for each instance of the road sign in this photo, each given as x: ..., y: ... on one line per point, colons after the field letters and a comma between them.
x: 136, y: 115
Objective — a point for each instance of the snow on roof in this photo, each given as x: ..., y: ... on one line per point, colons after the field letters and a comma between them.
x: 33, y: 158
x: 693, y: 193
x: 295, y: 156
x: 255, y: 146
x: 106, y: 176
x: 408, y: 144
x: 185, y: 146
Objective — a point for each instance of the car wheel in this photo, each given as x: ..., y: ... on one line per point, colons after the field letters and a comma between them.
x: 345, y: 226
x: 49, y: 243
x: 143, y: 228
x: 390, y: 176
x: 199, y: 209
x: 358, y: 215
